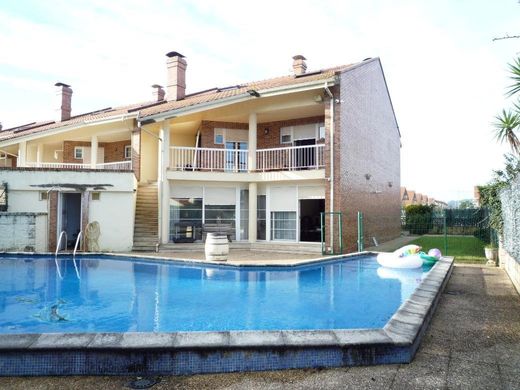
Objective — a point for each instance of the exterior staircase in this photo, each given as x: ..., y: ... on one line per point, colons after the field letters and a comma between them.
x: 146, y: 235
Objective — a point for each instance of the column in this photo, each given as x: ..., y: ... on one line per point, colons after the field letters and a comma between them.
x: 251, y: 158
x: 252, y: 211
x: 164, y: 199
x: 22, y: 153
x: 39, y: 154
x: 93, y: 151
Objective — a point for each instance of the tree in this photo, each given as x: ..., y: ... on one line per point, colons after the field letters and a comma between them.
x: 507, y: 125
x: 466, y: 204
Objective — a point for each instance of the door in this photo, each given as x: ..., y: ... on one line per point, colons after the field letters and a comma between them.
x: 236, y: 157
x: 304, y: 158
x: 70, y: 216
x: 310, y: 226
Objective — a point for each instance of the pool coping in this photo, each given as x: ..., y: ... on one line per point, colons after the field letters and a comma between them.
x: 401, y: 335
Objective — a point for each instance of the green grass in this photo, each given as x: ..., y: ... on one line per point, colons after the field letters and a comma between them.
x: 465, y: 249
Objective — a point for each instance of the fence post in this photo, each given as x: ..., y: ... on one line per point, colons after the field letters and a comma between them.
x: 360, y: 235
x: 445, y: 236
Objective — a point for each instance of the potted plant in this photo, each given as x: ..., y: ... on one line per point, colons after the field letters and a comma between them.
x: 491, y: 252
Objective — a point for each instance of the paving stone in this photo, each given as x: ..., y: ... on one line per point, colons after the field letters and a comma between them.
x: 464, y: 374
x: 426, y: 371
x: 147, y: 340
x: 62, y: 340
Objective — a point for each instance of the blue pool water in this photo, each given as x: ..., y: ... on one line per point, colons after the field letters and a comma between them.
x: 107, y: 294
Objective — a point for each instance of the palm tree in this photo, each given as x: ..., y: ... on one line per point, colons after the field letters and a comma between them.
x: 507, y: 126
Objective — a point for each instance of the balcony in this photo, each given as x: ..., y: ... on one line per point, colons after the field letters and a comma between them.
x: 236, y: 160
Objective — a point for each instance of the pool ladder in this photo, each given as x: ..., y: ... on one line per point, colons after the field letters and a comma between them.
x: 64, y: 233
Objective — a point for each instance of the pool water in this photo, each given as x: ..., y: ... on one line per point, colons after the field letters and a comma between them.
x: 109, y: 294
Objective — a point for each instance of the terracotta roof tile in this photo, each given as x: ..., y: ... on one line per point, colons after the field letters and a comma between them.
x: 152, y: 108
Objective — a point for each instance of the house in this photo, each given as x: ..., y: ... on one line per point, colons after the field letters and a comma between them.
x: 265, y: 159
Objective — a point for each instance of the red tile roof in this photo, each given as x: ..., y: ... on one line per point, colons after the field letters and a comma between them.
x: 152, y: 108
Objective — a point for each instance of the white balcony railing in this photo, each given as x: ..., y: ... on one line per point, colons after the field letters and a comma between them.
x: 290, y: 158
x: 112, y: 166
x: 235, y: 160
x: 116, y: 166
x: 208, y: 159
x: 58, y: 165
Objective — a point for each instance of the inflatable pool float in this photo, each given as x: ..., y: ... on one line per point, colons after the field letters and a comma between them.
x: 408, y: 256
x: 392, y: 261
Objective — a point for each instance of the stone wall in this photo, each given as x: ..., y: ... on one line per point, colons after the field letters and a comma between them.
x: 23, y: 232
x: 510, y: 245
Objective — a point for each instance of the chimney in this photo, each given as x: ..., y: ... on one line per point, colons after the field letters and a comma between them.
x: 64, y: 95
x: 158, y: 92
x: 299, y: 66
x: 176, y: 68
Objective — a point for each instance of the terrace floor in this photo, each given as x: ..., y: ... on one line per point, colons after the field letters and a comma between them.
x: 473, y: 342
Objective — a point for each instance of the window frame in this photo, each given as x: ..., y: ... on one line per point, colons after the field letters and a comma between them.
x: 80, y: 150
x: 128, y: 155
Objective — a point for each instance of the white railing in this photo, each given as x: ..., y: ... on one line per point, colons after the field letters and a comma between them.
x: 116, y: 166
x: 112, y: 166
x: 290, y: 158
x: 57, y: 165
x: 208, y: 159
x: 235, y: 160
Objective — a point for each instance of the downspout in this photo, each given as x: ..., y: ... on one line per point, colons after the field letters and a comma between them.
x: 331, y: 173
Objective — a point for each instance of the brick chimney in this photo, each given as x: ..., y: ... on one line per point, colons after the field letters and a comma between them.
x: 176, y: 67
x: 299, y: 65
x: 64, y: 99
x: 158, y: 92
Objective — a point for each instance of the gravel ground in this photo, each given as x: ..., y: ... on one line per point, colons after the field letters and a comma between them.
x: 473, y: 343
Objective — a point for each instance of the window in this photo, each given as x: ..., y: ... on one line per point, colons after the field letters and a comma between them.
x: 78, y: 153
x: 128, y: 152
x: 321, y: 131
x: 260, y: 217
x: 219, y: 137
x: 185, y: 219
x: 244, y: 214
x: 96, y: 195
x: 283, y: 225
x: 221, y: 214
x: 286, y: 135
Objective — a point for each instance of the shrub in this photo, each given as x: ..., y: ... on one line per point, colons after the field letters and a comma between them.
x: 419, y: 218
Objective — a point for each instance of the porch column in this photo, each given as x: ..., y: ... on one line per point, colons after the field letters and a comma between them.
x: 252, y: 211
x: 251, y: 158
x: 39, y: 154
x: 164, y: 199
x: 93, y: 151
x: 22, y: 153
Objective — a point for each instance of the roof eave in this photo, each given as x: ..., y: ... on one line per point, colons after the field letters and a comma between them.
x: 62, y: 129
x: 316, y: 84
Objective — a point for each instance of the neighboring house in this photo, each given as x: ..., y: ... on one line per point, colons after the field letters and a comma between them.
x: 263, y: 158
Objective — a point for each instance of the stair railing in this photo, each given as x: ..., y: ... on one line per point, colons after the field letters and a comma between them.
x: 63, y: 233
x: 74, y: 253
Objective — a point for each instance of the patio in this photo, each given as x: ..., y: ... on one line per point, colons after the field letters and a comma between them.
x: 473, y: 342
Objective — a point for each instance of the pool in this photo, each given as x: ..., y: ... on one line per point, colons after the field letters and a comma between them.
x: 144, y: 316
x: 41, y: 295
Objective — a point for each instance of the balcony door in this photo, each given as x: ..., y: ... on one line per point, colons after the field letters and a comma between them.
x: 236, y: 156
x: 304, y: 157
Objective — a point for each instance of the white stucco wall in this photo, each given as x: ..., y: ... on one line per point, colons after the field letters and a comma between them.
x: 115, y: 214
x: 114, y: 210
x: 23, y: 232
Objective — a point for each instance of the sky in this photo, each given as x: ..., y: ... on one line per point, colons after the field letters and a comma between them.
x: 446, y: 76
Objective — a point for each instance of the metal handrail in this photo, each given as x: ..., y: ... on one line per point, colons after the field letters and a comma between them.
x: 76, y: 245
x: 63, y: 232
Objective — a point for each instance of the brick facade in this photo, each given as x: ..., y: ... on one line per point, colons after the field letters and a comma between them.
x: 113, y: 151
x: 367, y: 156
x: 53, y: 220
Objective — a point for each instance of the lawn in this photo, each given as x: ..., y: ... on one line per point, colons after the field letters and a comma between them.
x: 465, y: 249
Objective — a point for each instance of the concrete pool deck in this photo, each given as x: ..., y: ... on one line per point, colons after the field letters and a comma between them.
x: 473, y: 342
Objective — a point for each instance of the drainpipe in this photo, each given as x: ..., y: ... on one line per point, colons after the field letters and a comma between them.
x: 331, y: 174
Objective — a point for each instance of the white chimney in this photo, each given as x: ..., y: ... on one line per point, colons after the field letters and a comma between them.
x: 158, y: 92
x: 299, y: 65
x: 64, y: 100
x: 176, y: 68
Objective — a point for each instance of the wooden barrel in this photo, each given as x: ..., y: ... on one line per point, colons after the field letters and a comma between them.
x: 217, y: 247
